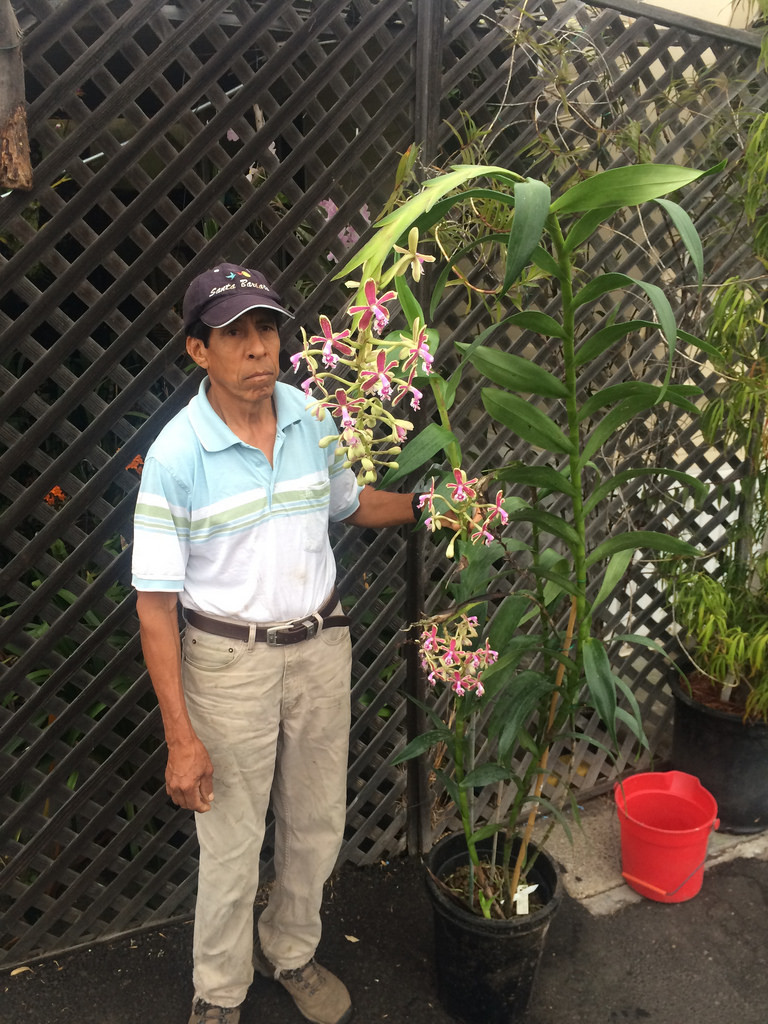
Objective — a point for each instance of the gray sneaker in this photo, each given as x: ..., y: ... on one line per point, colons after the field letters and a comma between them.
x: 207, y: 1013
x: 319, y: 995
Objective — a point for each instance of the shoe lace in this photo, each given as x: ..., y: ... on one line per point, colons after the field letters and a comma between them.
x: 221, y: 1014
x: 307, y: 977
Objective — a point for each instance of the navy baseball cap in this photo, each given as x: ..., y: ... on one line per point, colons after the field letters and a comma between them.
x: 223, y: 293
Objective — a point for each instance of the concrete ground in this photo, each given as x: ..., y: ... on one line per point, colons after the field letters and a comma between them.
x: 611, y: 955
x: 591, y: 858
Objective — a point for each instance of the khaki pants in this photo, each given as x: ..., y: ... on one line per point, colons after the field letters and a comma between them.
x: 274, y: 720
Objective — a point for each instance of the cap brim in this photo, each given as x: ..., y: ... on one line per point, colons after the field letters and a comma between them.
x: 223, y: 313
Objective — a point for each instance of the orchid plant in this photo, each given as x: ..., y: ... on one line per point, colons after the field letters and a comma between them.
x: 515, y: 648
x: 371, y: 434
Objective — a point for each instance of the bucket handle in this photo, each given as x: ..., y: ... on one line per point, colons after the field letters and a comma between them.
x: 663, y: 892
x: 646, y: 885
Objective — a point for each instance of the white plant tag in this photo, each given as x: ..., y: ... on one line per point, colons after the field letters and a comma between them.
x: 521, y: 897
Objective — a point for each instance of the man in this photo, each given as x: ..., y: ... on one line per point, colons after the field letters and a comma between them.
x: 232, y: 521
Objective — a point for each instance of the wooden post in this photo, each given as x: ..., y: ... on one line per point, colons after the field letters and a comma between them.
x: 15, y: 163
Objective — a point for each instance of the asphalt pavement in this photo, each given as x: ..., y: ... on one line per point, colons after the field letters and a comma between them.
x: 611, y: 955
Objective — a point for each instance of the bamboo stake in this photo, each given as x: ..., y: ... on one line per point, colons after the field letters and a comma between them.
x: 542, y: 774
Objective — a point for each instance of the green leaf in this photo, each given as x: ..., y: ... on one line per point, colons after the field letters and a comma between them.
x: 397, y: 223
x: 484, y: 775
x: 601, y: 285
x: 598, y: 342
x: 421, y: 744
x: 614, y: 573
x: 600, y: 682
x: 548, y: 808
x: 690, y: 339
x: 675, y: 394
x: 513, y: 652
x: 601, y: 340
x: 450, y: 386
x: 625, y: 411
x: 688, y: 235
x: 635, y: 719
x: 488, y: 830
x: 529, y: 320
x: 514, y: 708
x: 611, y: 282
x: 478, y: 561
x: 430, y: 712
x: 450, y: 786
x: 664, y: 312
x: 438, y: 211
x: 408, y: 301
x: 585, y: 227
x: 548, y: 523
x: 528, y: 422
x: 634, y: 725
x: 644, y: 641
x: 544, y: 261
x: 697, y: 486
x: 532, y: 200
x: 639, y: 540
x: 624, y: 186
x: 517, y: 374
x: 506, y: 620
x: 639, y: 397
x: 543, y: 478
x: 560, y: 584
x: 553, y: 563
x: 419, y: 450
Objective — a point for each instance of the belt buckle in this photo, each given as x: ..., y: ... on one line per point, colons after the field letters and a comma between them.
x: 273, y: 639
x: 278, y: 636
x: 311, y: 627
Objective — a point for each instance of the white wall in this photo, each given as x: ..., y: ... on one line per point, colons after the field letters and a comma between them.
x: 736, y: 13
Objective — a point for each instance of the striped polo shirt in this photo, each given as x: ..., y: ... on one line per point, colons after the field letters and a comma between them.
x: 234, y: 536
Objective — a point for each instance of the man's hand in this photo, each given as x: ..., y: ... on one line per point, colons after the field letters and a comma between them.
x: 189, y: 776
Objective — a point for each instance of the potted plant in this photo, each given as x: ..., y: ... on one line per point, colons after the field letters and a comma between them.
x: 720, y: 731
x: 513, y: 660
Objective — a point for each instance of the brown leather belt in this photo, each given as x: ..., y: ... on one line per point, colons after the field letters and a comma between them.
x: 274, y: 636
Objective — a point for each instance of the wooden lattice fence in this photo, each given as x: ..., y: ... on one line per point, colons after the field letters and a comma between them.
x: 166, y: 137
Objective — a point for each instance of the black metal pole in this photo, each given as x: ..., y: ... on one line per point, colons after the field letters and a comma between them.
x: 430, y: 24
x: 430, y: 19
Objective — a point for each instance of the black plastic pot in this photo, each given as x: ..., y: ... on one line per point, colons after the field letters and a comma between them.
x: 486, y: 969
x: 727, y: 755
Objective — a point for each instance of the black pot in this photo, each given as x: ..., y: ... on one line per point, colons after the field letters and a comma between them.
x: 727, y: 755
x: 486, y: 968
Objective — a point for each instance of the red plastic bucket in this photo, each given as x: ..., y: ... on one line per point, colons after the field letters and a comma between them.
x: 666, y: 820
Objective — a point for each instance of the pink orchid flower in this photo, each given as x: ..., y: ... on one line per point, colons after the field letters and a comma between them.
x: 347, y: 407
x: 374, y: 309
x: 379, y: 380
x: 462, y: 490
x: 406, y: 387
x: 419, y: 351
x: 331, y: 340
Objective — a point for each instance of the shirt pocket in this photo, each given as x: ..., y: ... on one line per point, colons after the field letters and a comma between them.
x: 306, y: 511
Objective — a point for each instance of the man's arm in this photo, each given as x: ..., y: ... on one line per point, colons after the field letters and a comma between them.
x: 382, y: 508
x: 189, y: 773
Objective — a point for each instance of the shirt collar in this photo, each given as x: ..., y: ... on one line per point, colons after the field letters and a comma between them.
x: 214, y: 434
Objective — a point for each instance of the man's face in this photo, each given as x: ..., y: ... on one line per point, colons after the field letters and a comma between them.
x: 241, y: 359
